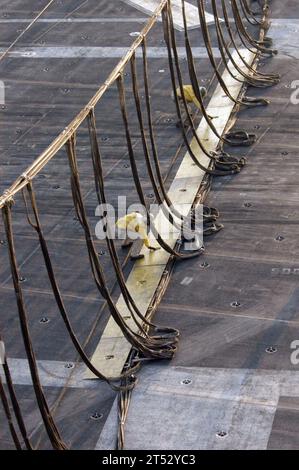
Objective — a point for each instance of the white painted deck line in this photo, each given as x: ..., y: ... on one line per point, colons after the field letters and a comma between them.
x: 149, y: 6
x: 99, y: 52
x: 241, y: 402
x: 76, y: 20
x: 55, y: 374
x: 113, y: 349
x: 52, y: 374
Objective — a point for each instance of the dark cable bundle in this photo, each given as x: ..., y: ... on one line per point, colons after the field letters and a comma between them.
x: 148, y: 340
x: 51, y: 428
x: 16, y: 407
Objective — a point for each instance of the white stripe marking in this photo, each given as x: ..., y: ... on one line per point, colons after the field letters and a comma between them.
x: 149, y: 6
x: 187, y: 281
x: 76, y: 20
x: 52, y: 374
x: 98, y: 52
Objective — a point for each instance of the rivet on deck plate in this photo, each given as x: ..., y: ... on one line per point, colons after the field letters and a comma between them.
x: 247, y: 204
x: 235, y: 304
x: 56, y: 186
x: 221, y: 434
x: 2, y: 242
x: 285, y: 153
x: 69, y: 365
x: 101, y: 253
x: 280, y: 238
x: 44, y: 320
x: 104, y: 139
x: 186, y: 382
x: 96, y: 416
x: 22, y: 279
x: 271, y: 350
x: 168, y: 120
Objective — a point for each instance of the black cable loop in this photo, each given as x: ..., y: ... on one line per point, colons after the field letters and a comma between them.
x: 246, y: 139
x: 245, y: 101
x: 149, y: 346
x: 274, y: 77
x: 170, y: 39
x: 243, y: 33
x: 50, y: 426
x: 56, y: 291
x: 100, y: 190
x: 253, y: 14
x: 6, y: 408
x: 15, y: 404
x: 137, y: 182
x: 167, y: 212
x: 153, y: 141
x: 249, y: 14
x: 254, y: 79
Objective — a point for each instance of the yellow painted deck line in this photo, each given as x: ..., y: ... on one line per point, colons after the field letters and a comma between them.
x: 113, y: 349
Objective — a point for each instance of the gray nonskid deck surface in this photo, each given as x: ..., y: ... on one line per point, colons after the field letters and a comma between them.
x: 236, y: 386
x: 42, y: 95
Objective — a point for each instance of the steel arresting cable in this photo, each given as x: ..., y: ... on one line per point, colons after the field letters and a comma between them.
x: 169, y: 213
x: 245, y: 101
x: 249, y: 14
x: 254, y: 79
x: 160, y: 347
x: 273, y: 77
x: 222, y: 163
x: 136, y: 177
x: 165, y: 333
x: 154, y: 149
x: 151, y: 341
x: 5, y: 404
x: 244, y: 139
x: 51, y: 428
x: 244, y: 35
x: 15, y: 403
x: 36, y: 224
